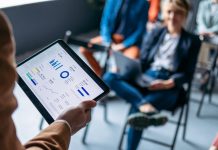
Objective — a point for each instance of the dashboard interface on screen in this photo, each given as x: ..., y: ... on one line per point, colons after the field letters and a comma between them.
x: 57, y: 80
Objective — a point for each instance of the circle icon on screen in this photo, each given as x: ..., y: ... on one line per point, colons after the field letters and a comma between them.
x: 64, y: 74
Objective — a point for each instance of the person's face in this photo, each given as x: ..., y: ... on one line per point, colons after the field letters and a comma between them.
x: 174, y: 17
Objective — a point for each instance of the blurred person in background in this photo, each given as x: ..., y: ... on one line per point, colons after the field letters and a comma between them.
x: 122, y: 26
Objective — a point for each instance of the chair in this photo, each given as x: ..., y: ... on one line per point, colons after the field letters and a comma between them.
x: 209, y: 85
x: 184, y: 106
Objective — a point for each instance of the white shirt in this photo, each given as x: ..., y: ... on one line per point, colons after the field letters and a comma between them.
x: 164, y: 58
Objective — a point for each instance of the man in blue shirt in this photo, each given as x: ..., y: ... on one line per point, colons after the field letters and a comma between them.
x: 122, y: 26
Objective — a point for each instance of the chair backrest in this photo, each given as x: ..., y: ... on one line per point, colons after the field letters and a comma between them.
x: 184, y: 96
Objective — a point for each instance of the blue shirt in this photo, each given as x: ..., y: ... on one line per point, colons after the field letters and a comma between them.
x: 135, y: 18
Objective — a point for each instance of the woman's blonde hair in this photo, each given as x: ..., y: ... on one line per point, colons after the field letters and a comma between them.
x: 180, y: 4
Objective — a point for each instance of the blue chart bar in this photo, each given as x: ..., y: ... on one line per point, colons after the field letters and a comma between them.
x: 56, y: 64
x: 53, y: 62
x: 85, y: 90
x: 59, y: 67
x: 80, y: 92
x: 33, y: 81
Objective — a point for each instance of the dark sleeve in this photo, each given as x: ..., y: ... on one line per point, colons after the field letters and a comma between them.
x: 190, y: 63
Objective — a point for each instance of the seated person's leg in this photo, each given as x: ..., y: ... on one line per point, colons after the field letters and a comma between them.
x: 163, y: 99
x: 132, y: 52
x: 146, y: 101
x: 135, y: 97
x: 134, y: 136
x: 90, y: 58
x: 139, y: 121
x: 123, y: 89
x: 147, y: 108
x: 132, y: 95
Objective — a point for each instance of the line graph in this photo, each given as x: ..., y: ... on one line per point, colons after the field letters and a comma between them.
x: 50, y: 90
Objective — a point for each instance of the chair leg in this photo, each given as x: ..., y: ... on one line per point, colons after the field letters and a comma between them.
x: 85, y: 134
x: 122, y: 137
x: 201, y: 104
x: 105, y: 112
x: 41, y: 123
x: 185, y: 122
x: 212, y: 89
x: 210, y: 96
x: 124, y: 129
x: 177, y: 128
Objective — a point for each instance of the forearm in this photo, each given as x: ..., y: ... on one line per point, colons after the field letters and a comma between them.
x: 213, y: 29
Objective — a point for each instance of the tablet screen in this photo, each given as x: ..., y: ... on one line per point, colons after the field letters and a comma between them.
x: 57, y: 80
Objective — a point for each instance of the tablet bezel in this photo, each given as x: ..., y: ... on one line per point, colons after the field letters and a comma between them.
x: 80, y: 62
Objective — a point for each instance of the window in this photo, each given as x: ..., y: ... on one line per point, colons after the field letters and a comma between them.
x: 11, y: 3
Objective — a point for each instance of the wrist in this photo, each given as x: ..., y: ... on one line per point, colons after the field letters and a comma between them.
x: 169, y: 83
x: 66, y: 124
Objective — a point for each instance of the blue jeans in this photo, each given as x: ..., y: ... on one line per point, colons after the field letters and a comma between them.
x: 162, y: 99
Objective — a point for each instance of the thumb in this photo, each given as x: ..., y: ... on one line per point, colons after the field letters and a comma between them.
x: 88, y: 104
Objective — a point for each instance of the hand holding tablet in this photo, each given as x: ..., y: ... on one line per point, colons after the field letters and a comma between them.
x: 56, y: 79
x: 77, y: 117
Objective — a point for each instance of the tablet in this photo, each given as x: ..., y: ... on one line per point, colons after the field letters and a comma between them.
x: 55, y: 79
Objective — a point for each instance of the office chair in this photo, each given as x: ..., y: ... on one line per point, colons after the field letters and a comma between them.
x: 209, y: 85
x: 184, y: 107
